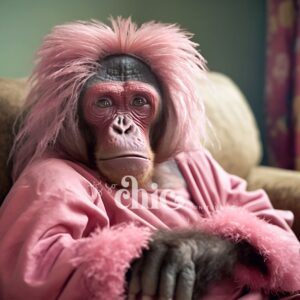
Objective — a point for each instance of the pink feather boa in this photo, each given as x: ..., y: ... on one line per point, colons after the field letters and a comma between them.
x: 280, y: 249
x: 106, y: 256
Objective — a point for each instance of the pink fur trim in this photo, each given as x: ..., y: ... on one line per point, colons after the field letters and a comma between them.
x: 72, y: 53
x: 106, y: 256
x: 280, y: 249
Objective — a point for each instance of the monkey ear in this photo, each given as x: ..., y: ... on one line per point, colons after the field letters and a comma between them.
x: 157, y: 132
x: 87, y: 136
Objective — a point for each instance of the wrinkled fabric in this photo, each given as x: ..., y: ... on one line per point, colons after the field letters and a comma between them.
x: 66, y: 234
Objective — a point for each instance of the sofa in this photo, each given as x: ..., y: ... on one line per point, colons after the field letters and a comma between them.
x: 232, y: 137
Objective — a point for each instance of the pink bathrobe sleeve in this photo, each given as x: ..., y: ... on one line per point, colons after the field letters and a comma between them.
x: 230, y: 211
x: 50, y: 247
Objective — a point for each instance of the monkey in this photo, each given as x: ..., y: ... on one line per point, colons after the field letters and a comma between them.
x: 128, y: 98
x: 114, y: 103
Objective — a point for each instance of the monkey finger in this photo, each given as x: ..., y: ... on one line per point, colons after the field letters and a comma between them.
x: 185, y: 283
x: 134, y: 286
x: 151, y: 271
x: 167, y: 281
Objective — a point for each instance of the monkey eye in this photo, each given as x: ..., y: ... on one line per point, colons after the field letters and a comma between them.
x: 139, y: 101
x: 103, y: 102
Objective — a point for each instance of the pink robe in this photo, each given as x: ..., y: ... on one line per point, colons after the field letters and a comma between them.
x: 64, y: 236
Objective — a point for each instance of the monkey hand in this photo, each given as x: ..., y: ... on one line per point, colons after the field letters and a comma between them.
x: 180, y: 265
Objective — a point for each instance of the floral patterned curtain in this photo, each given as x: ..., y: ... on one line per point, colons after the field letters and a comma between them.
x: 283, y: 83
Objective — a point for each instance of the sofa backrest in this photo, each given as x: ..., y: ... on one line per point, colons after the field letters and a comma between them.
x: 233, y: 137
x: 12, y: 94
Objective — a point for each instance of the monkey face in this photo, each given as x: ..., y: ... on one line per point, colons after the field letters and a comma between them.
x: 119, y: 106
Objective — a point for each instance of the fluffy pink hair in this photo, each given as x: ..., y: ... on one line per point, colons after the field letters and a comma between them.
x: 70, y: 55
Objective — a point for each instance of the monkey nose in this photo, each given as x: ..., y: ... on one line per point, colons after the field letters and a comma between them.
x: 122, y: 125
x: 122, y: 129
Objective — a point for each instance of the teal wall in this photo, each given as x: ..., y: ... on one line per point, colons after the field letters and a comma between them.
x: 231, y: 33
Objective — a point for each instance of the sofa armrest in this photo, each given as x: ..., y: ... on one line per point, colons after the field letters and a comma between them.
x: 283, y: 188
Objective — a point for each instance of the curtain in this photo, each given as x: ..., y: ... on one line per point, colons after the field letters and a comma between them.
x: 283, y: 83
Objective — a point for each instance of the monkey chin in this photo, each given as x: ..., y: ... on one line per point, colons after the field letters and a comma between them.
x: 115, y: 169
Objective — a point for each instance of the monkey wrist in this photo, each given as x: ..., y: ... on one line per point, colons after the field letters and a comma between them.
x: 250, y: 257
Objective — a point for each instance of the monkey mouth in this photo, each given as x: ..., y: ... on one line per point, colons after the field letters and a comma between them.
x: 126, y: 155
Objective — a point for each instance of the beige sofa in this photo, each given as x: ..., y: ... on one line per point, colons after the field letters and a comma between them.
x: 233, y: 139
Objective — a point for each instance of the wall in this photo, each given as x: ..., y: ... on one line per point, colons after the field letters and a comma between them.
x: 231, y: 33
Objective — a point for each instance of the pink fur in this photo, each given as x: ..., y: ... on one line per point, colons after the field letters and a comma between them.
x: 106, y: 256
x: 272, y: 243
x: 70, y: 55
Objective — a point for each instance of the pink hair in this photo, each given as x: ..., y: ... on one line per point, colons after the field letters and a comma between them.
x: 70, y: 55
